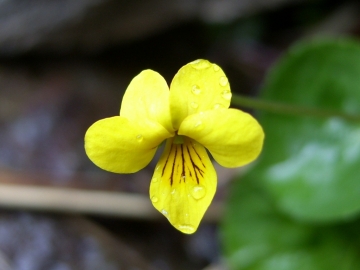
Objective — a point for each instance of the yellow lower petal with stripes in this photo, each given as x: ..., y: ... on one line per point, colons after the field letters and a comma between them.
x: 183, y: 184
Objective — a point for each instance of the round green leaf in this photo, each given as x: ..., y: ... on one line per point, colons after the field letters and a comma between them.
x: 311, y: 165
x: 256, y: 236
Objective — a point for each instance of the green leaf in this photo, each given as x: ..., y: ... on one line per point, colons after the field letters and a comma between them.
x: 311, y: 165
x: 257, y: 236
x: 297, y: 207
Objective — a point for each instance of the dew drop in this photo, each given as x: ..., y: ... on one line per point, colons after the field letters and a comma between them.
x: 139, y: 137
x: 223, y: 81
x: 196, y: 89
x: 173, y: 191
x: 216, y: 67
x: 198, y: 192
x: 157, y: 167
x: 200, y: 64
x: 198, y: 125
x: 155, y: 180
x: 154, y: 199
x: 164, y: 212
x: 226, y: 94
x: 194, y: 105
x: 186, y: 228
x: 218, y: 106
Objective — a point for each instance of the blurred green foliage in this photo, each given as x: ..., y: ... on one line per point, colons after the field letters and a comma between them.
x: 298, y: 206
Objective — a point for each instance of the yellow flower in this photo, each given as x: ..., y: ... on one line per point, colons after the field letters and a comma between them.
x: 192, y: 116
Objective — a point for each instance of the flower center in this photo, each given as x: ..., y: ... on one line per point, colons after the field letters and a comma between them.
x: 183, y: 162
x: 178, y: 139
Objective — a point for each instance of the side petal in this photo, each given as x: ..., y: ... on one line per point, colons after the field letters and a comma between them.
x: 198, y: 86
x: 147, y: 97
x: 117, y: 145
x: 234, y: 138
x: 183, y: 185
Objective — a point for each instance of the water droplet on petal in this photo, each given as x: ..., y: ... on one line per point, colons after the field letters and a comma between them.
x: 216, y: 67
x: 218, y: 106
x: 196, y: 89
x: 173, y: 191
x: 155, y: 180
x: 198, y: 125
x: 154, y: 199
x: 164, y: 212
x: 226, y: 94
x: 186, y: 228
x: 139, y: 138
x: 223, y: 81
x: 200, y: 64
x: 157, y: 167
x: 198, y: 192
x: 194, y: 105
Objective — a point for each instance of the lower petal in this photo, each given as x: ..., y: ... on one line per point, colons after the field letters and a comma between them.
x: 117, y: 145
x: 184, y: 184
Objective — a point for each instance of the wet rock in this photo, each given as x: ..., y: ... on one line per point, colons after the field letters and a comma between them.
x: 88, y: 26
x: 40, y: 242
x: 85, y: 25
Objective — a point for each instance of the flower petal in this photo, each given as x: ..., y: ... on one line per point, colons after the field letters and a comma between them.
x: 184, y: 184
x: 147, y: 97
x: 234, y: 138
x: 117, y: 145
x: 198, y: 86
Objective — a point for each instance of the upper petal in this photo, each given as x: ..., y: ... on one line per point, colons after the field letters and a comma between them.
x: 234, y: 138
x: 198, y: 86
x: 184, y: 184
x: 147, y: 97
x: 117, y: 145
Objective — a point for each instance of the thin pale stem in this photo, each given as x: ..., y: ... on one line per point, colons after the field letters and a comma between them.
x: 282, y: 108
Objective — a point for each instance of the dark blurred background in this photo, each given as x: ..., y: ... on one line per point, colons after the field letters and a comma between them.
x: 65, y: 64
